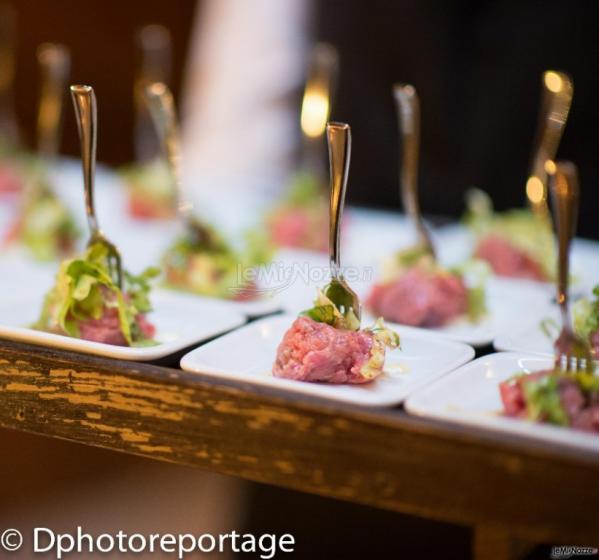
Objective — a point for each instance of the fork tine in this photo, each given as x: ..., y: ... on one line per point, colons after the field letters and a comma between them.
x: 572, y: 363
x: 566, y: 363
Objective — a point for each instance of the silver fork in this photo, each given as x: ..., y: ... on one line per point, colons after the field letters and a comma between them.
x: 572, y: 353
x: 55, y: 63
x: 408, y: 118
x: 558, y: 90
x: 155, y: 52
x: 162, y: 110
x: 338, y: 290
x: 84, y: 101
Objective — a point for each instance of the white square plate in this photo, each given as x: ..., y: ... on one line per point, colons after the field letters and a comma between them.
x: 248, y: 355
x: 470, y: 396
x: 528, y: 337
x: 180, y: 322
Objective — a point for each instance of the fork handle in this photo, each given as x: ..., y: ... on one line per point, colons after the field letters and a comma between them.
x: 565, y: 194
x: 84, y: 101
x: 54, y: 63
x: 408, y: 120
x: 557, y: 95
x: 155, y: 46
x: 161, y: 106
x: 339, y: 141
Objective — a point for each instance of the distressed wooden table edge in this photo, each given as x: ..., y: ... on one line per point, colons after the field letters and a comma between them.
x: 383, y: 458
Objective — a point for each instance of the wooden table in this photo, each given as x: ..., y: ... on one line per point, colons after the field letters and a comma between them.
x: 511, y: 490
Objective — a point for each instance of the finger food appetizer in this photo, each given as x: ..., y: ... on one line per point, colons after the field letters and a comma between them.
x: 200, y: 260
x: 417, y: 291
x: 149, y: 182
x: 150, y: 190
x: 516, y: 243
x: 85, y: 302
x: 554, y: 397
x: 208, y: 265
x: 44, y: 224
x: 519, y: 243
x: 93, y: 298
x: 567, y: 395
x: 327, y: 346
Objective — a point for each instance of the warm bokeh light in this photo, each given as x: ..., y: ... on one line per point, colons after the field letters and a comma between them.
x: 315, y: 112
x: 550, y: 167
x: 553, y: 81
x: 535, y: 191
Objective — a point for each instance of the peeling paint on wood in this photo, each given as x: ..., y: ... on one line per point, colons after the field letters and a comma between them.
x: 382, y: 458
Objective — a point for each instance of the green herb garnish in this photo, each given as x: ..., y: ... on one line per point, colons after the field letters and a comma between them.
x: 543, y: 401
x: 325, y: 311
x: 84, y: 289
x: 213, y: 267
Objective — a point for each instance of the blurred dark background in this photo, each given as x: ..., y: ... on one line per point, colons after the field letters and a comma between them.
x: 476, y: 64
x: 100, y: 36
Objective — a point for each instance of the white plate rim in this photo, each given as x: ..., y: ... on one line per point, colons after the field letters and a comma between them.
x: 514, y: 427
x: 143, y: 354
x: 310, y: 389
x: 502, y: 343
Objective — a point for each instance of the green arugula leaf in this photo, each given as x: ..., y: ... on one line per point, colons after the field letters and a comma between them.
x: 543, y: 401
x: 84, y: 289
x: 321, y: 314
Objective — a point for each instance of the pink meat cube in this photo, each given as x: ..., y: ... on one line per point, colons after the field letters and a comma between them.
x: 508, y: 260
x: 312, y: 351
x: 107, y: 329
x: 420, y: 298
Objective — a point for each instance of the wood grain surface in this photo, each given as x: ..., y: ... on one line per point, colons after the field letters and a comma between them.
x: 384, y: 458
